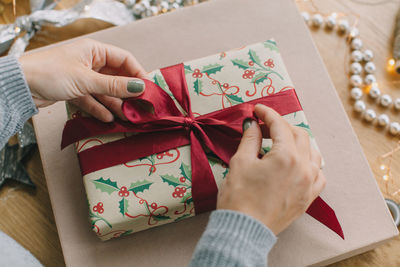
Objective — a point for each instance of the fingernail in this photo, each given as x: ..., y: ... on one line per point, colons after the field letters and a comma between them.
x: 135, y: 86
x: 247, y: 124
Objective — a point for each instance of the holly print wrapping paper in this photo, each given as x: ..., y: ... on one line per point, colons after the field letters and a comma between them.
x: 156, y: 189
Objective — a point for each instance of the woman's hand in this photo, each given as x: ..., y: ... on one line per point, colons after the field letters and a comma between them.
x: 92, y: 75
x: 279, y: 187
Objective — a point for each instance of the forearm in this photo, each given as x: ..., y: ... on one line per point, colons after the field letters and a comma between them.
x: 233, y: 239
x: 16, y: 104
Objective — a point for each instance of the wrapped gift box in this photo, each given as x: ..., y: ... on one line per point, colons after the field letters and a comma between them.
x: 196, y: 32
x: 157, y: 189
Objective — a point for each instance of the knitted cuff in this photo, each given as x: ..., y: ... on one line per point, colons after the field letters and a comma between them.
x: 16, y: 103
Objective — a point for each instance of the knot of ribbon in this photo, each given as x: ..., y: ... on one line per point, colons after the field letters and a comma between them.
x: 160, y: 125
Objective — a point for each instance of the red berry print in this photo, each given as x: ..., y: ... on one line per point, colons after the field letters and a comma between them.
x: 225, y: 85
x: 76, y: 114
x: 248, y: 74
x: 99, y: 208
x: 179, y: 192
x: 269, y: 63
x: 197, y: 74
x: 153, y: 205
x: 182, y: 179
x: 251, y: 63
x: 123, y: 192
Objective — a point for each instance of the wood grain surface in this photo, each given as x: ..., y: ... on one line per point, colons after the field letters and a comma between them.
x: 26, y: 214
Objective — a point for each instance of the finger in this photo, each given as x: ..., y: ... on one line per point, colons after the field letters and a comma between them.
x: 280, y: 131
x: 105, y: 55
x: 113, y: 104
x: 116, y: 86
x: 90, y: 105
x: 318, y: 185
x: 302, y: 141
x: 251, y: 141
x: 315, y: 157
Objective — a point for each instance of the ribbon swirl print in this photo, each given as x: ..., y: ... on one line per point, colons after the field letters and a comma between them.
x: 219, y: 131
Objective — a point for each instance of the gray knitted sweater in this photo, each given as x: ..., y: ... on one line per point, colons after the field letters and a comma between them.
x: 230, y: 239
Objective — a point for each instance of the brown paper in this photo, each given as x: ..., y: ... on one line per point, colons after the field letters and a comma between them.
x: 200, y: 31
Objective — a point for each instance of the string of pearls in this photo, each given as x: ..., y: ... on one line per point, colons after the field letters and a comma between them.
x: 147, y: 8
x: 362, y: 72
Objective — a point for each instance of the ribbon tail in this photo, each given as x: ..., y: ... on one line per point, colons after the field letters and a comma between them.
x: 323, y: 213
x: 204, y: 188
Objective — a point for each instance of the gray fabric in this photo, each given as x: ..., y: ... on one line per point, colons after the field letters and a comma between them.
x: 16, y: 104
x: 233, y: 239
x: 12, y: 254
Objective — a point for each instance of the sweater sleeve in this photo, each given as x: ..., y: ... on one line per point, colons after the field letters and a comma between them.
x: 16, y: 103
x: 233, y: 239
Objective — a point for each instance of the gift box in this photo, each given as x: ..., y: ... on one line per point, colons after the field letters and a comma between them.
x: 156, y: 169
x: 195, y: 32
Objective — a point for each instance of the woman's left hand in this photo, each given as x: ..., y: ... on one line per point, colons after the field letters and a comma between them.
x: 92, y: 75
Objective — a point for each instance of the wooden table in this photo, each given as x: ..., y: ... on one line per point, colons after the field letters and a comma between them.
x: 27, y: 215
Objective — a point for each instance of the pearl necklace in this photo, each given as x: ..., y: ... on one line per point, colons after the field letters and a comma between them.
x: 360, y: 60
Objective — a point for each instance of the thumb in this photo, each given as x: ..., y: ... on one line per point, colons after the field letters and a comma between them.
x: 251, y: 141
x: 116, y: 86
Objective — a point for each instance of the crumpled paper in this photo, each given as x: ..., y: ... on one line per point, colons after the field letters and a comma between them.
x: 43, y: 13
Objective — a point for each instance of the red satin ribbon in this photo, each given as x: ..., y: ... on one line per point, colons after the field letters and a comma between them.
x: 166, y: 127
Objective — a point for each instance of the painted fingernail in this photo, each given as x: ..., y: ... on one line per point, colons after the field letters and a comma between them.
x: 135, y: 86
x: 247, y: 124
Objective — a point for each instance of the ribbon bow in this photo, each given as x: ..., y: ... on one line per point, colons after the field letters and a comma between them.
x: 166, y: 127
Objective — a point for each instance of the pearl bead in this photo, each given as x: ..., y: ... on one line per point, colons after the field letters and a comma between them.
x: 369, y: 115
x: 396, y: 104
x: 356, y: 93
x: 383, y: 120
x: 394, y: 128
x: 374, y: 92
x: 354, y: 32
x: 138, y: 9
x: 368, y: 55
x: 330, y: 22
x: 355, y: 80
x: 370, y: 67
x: 343, y: 25
x: 370, y: 79
x: 385, y: 100
x: 359, y: 106
x: 356, y: 56
x: 306, y: 16
x: 317, y: 20
x: 356, y: 44
x: 355, y: 68
x: 164, y: 5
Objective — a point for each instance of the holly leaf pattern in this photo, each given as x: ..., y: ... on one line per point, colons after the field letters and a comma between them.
x: 240, y: 63
x: 107, y: 186
x: 234, y: 99
x: 260, y: 77
x: 186, y: 171
x: 161, y: 217
x: 171, y: 180
x: 212, y: 68
x: 188, y: 69
x: 306, y: 127
x: 271, y: 45
x: 126, y: 233
x: 225, y: 172
x: 123, y: 206
x: 139, y: 186
x: 182, y: 217
x: 266, y: 149
x: 159, y: 80
x: 253, y: 56
x: 198, y: 86
x: 187, y: 198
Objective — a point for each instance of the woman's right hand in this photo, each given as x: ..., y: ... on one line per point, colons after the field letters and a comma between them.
x: 279, y: 187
